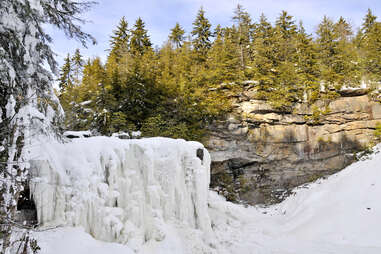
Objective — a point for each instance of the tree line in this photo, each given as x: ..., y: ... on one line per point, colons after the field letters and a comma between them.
x: 177, y: 89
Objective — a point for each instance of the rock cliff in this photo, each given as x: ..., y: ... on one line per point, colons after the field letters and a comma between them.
x: 259, y: 153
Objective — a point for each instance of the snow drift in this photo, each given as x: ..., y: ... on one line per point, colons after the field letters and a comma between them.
x: 340, y: 214
x: 124, y: 191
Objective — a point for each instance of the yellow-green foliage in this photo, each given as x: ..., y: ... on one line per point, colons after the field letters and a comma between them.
x: 317, y: 114
x: 377, y: 131
x: 179, y: 86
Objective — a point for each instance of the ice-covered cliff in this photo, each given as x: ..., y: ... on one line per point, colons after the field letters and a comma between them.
x: 126, y: 191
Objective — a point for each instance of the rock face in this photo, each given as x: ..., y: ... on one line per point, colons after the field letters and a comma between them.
x: 259, y: 153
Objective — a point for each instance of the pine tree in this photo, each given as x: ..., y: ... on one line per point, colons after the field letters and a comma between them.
x: 328, y: 48
x: 66, y: 75
x: 343, y: 30
x: 338, y: 59
x: 177, y: 35
x: 263, y: 63
x: 166, y: 76
x: 120, y: 40
x: 288, y: 89
x: 371, y: 60
x: 77, y: 66
x: 286, y: 25
x: 24, y: 82
x: 368, y: 47
x: 201, y: 35
x: 119, y: 47
x: 369, y: 21
x: 140, y: 41
x: 67, y: 89
x: 245, y: 27
x: 285, y: 32
x: 224, y: 60
x: 307, y: 66
x: 93, y: 97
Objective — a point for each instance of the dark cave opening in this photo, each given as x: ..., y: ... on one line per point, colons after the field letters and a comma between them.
x: 26, y: 208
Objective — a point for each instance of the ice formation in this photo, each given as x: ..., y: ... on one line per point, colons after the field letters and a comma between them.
x: 125, y: 191
x: 151, y: 196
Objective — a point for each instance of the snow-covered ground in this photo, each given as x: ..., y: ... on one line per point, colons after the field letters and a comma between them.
x: 154, y: 199
x: 341, y: 214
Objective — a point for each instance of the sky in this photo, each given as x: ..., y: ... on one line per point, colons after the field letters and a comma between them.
x: 161, y: 15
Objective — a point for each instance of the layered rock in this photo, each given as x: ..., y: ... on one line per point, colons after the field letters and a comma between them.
x: 260, y: 153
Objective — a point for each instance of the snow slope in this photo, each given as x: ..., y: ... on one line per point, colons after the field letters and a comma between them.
x: 341, y: 214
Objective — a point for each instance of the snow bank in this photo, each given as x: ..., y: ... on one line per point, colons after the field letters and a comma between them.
x: 125, y: 191
x: 76, y: 241
x: 77, y: 134
x: 341, y: 214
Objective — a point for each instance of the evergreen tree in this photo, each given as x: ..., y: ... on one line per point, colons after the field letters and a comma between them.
x: 167, y: 75
x: 119, y: 45
x: 338, y: 60
x: 307, y: 66
x: 66, y: 75
x: 245, y: 26
x: 264, y: 61
x: 24, y: 82
x: 285, y: 32
x: 94, y: 100
x: 201, y: 35
x: 177, y: 35
x: 369, y: 21
x: 77, y: 66
x: 343, y: 30
x: 140, y: 41
x: 371, y: 60
x: 286, y: 25
x: 327, y: 43
x: 285, y: 60
x: 224, y: 60
x: 328, y: 47
x: 120, y: 40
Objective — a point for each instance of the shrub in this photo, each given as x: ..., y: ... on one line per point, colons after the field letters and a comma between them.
x: 158, y: 126
x: 377, y: 131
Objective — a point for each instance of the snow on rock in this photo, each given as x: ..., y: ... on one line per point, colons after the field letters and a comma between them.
x: 132, y: 192
x: 121, y: 135
x: 136, y: 134
x: 77, y: 134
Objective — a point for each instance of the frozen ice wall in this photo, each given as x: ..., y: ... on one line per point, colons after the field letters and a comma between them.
x: 124, y: 191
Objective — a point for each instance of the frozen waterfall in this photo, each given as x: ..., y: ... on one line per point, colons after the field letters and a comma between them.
x: 123, y: 191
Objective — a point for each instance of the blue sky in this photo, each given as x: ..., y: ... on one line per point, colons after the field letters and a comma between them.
x: 161, y: 15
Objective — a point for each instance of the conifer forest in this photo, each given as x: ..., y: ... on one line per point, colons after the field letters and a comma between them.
x: 175, y: 90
